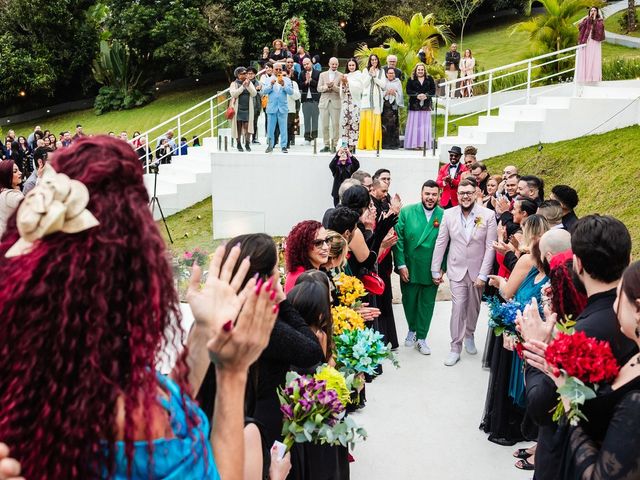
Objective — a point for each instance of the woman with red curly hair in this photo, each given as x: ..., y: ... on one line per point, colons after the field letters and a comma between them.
x: 87, y: 304
x: 307, y: 248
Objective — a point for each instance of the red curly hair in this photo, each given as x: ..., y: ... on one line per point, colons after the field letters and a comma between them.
x: 299, y: 242
x: 566, y: 301
x: 83, y: 320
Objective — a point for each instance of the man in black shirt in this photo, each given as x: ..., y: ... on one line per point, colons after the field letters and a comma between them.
x: 452, y: 56
x: 568, y: 198
x: 602, y: 247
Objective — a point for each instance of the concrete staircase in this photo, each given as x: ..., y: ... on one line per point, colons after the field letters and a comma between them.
x: 594, y: 109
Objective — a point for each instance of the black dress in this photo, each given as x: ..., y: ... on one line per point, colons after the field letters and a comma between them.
x: 292, y: 342
x: 598, y: 320
x: 607, y: 446
x: 340, y: 173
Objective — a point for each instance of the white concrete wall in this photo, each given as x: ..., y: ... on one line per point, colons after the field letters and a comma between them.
x: 271, y: 193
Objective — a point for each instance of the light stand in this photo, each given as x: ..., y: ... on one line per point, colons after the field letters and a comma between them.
x: 155, y: 169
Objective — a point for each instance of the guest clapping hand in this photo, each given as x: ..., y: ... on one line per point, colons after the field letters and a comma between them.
x: 9, y: 467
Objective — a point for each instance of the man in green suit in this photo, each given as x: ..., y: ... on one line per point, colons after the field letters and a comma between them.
x: 417, y: 230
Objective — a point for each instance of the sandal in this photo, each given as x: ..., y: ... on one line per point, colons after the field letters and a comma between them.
x: 523, y: 464
x: 522, y: 453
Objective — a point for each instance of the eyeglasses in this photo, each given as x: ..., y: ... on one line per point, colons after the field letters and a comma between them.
x: 321, y: 241
x: 465, y: 194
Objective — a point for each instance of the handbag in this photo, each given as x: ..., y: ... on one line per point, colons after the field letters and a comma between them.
x: 373, y: 283
x: 230, y: 113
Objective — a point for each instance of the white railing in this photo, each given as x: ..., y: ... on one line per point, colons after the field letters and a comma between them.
x: 201, y: 120
x: 534, y: 74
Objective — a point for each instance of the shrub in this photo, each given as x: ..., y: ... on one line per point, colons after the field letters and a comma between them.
x: 621, y: 69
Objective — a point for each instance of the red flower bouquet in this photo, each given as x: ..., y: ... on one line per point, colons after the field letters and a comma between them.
x: 586, y: 362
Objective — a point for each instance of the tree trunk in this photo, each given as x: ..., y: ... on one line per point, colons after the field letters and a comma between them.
x: 632, y: 21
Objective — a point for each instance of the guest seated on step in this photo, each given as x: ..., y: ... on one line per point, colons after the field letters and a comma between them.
x: 91, y: 298
x: 163, y: 152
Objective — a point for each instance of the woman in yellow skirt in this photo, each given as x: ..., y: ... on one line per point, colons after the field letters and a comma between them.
x: 373, y: 82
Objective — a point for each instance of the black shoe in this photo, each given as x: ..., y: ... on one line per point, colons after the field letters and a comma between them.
x: 269, y: 150
x: 256, y: 142
x: 325, y: 150
x: 284, y: 150
x: 240, y: 148
x: 247, y: 147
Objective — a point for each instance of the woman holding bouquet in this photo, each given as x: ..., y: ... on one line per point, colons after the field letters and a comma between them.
x: 606, y: 446
x: 504, y: 408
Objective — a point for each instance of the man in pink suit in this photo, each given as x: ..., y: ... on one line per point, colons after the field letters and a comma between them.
x: 467, y: 233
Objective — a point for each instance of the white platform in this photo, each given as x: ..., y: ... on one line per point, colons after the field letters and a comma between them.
x: 258, y: 192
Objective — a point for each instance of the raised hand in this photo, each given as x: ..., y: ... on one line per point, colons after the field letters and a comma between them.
x: 236, y: 347
x: 532, y: 326
x: 220, y: 299
x: 368, y: 313
x: 9, y: 467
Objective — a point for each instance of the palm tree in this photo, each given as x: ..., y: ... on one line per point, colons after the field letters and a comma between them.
x: 420, y: 33
x: 554, y: 29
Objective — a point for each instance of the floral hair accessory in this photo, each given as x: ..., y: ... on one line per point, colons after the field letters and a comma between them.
x: 56, y: 204
x: 560, y: 258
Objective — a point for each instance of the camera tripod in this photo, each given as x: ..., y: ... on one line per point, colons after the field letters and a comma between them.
x: 155, y: 169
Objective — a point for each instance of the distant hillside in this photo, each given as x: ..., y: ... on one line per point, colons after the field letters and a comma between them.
x: 604, y: 169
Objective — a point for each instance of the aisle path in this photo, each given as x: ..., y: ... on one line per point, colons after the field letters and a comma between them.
x: 423, y: 418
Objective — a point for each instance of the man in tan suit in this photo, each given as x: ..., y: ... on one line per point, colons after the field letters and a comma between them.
x: 329, y: 88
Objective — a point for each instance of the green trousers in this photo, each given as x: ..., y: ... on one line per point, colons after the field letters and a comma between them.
x: 418, y: 302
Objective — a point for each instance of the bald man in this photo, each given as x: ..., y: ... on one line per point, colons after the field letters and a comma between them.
x: 330, y: 104
x: 551, y: 243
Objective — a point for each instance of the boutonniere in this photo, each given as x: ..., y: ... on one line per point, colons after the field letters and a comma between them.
x: 436, y: 223
x: 478, y: 222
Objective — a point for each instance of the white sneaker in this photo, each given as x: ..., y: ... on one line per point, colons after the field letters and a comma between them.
x: 470, y: 346
x: 452, y: 359
x: 410, y: 341
x: 423, y: 348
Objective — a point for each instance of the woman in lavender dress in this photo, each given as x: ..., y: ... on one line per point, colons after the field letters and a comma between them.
x: 420, y: 88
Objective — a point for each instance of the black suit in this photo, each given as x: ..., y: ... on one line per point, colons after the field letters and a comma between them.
x: 598, y: 320
x: 310, y: 97
x: 569, y: 221
x: 452, y: 57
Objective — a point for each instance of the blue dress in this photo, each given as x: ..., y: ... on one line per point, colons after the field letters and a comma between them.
x: 528, y: 289
x: 187, y: 456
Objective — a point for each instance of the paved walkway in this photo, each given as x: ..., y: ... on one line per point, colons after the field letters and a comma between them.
x: 423, y: 418
x: 616, y: 38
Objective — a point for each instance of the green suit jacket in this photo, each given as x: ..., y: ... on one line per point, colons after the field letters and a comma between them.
x: 417, y: 241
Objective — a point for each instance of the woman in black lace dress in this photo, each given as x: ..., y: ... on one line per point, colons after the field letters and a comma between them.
x: 607, y: 446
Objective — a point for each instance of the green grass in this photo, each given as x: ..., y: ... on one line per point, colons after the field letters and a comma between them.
x: 611, y: 24
x: 191, y: 228
x: 602, y: 168
x: 141, y: 119
x: 495, y: 46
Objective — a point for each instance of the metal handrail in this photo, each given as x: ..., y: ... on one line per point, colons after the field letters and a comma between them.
x: 498, y: 73
x: 212, y: 106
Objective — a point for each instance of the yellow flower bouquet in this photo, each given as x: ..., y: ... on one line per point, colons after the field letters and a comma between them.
x: 350, y: 290
x: 345, y: 318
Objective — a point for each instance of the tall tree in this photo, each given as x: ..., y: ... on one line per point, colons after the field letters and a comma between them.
x: 47, y: 47
x: 464, y: 9
x: 632, y: 20
x: 174, y: 37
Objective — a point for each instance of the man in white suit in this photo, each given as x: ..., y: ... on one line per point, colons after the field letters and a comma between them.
x: 468, y: 231
x: 329, y: 88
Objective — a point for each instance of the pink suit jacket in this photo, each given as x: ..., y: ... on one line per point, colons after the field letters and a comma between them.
x: 475, y: 256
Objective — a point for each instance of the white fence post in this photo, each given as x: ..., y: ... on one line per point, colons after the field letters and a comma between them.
x: 447, y: 91
x: 575, y: 71
x: 146, y: 155
x: 211, y: 117
x: 529, y: 82
x: 178, y: 149
x: 489, y: 94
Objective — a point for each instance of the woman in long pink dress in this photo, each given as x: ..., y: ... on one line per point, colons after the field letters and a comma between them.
x: 590, y: 57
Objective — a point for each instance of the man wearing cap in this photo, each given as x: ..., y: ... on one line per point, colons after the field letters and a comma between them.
x: 330, y: 104
x: 449, y: 177
x: 277, y: 87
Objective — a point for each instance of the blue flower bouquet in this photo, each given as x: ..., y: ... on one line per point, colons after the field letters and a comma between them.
x: 361, y: 351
